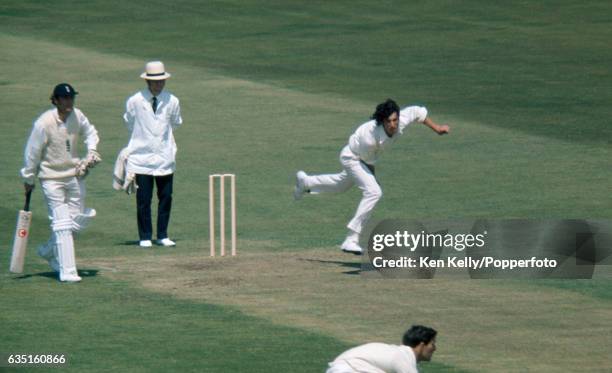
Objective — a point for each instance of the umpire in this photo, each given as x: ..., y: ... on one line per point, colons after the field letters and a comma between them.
x: 151, y: 116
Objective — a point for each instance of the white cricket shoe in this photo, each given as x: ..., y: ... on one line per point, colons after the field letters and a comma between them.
x: 145, y: 243
x: 352, y: 247
x: 300, y: 186
x: 45, y: 252
x: 69, y: 277
x: 166, y: 242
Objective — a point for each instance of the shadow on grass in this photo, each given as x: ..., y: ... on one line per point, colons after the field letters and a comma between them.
x: 129, y: 243
x: 356, y: 266
x: 53, y: 275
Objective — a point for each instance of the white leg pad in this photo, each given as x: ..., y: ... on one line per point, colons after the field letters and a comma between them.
x: 64, y: 245
x: 60, y: 219
x: 82, y: 220
x: 47, y: 252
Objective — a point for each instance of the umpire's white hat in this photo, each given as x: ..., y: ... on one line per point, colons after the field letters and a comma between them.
x: 155, y: 70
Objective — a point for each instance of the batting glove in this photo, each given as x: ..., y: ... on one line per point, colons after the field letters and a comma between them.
x: 93, y: 158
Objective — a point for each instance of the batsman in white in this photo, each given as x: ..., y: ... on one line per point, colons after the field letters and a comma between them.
x: 358, y: 159
x: 51, y: 155
x: 418, y: 344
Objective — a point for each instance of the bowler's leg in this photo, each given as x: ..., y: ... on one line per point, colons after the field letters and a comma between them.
x: 315, y: 184
x: 371, y: 193
x: 339, y: 367
x: 328, y: 183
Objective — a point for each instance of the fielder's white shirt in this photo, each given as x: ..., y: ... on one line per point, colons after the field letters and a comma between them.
x: 369, y: 140
x: 152, y: 149
x: 51, y: 150
x: 379, y: 358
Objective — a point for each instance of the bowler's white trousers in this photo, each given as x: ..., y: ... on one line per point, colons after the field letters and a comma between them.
x: 340, y: 367
x: 354, y: 173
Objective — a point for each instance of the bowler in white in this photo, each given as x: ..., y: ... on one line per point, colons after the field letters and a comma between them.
x: 358, y: 159
x: 418, y: 344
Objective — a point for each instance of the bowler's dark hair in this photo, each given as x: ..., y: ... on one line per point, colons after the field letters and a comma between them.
x: 384, y: 111
x: 417, y: 334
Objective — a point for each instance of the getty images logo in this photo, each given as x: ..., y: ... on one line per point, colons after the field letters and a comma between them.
x: 411, y: 241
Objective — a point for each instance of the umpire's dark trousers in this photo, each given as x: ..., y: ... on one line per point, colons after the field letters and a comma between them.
x: 144, y: 194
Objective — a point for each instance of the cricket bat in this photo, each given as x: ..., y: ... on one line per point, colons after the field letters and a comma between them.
x: 20, y: 242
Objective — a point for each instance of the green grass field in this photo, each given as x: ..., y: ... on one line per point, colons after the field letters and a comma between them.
x: 268, y: 88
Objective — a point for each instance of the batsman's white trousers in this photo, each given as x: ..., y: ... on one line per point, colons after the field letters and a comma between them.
x: 69, y: 190
x: 354, y: 173
x: 65, y: 202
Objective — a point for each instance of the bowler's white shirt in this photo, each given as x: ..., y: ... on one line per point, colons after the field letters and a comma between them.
x: 379, y: 358
x: 152, y: 148
x: 369, y: 140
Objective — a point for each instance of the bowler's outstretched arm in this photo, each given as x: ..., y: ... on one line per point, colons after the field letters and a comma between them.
x: 440, y: 129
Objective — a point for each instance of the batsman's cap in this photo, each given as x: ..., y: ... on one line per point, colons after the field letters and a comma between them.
x: 64, y: 90
x: 155, y: 70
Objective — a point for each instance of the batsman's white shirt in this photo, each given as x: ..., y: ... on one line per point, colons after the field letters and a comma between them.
x: 370, y: 140
x: 375, y: 358
x: 152, y: 149
x: 52, y: 148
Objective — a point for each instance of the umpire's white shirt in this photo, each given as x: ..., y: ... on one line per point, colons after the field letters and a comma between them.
x: 369, y: 140
x: 376, y: 358
x: 152, y: 148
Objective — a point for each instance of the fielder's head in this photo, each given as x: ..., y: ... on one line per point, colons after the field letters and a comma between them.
x: 422, y: 340
x: 387, y: 115
x: 155, y: 74
x: 63, y: 97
